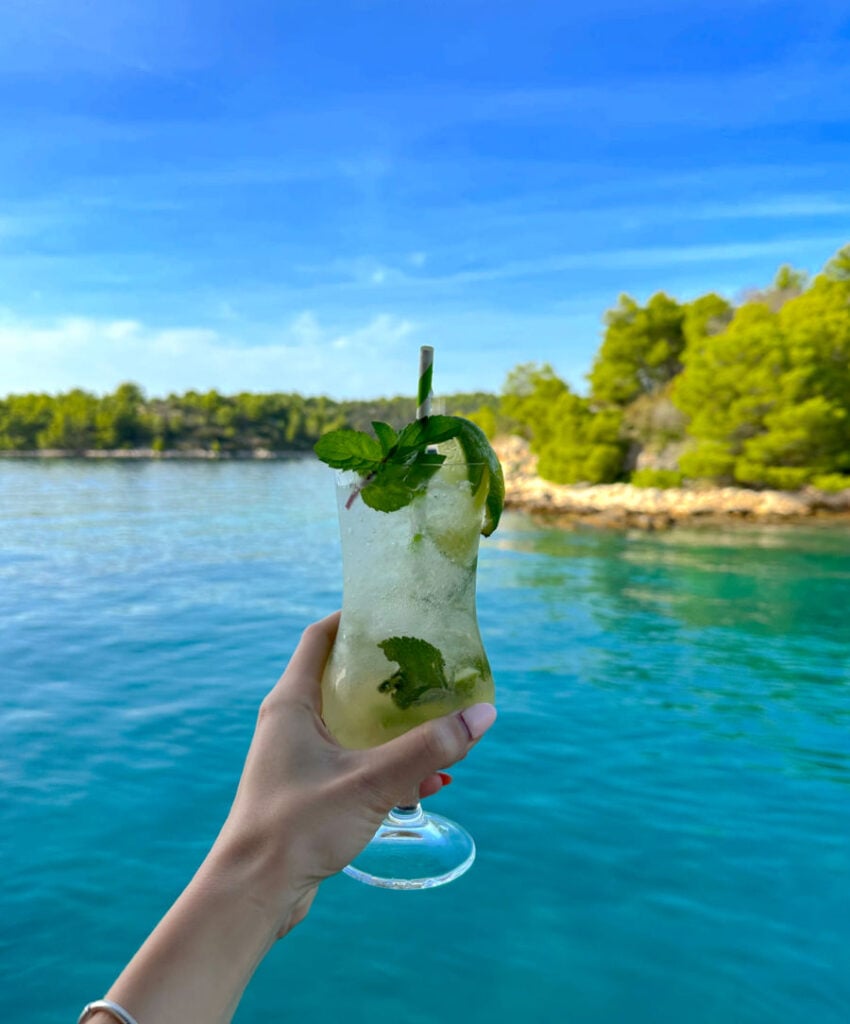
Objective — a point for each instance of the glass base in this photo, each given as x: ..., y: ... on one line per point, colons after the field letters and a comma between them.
x: 414, y: 850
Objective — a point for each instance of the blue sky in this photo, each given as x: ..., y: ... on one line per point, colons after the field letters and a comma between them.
x: 296, y: 195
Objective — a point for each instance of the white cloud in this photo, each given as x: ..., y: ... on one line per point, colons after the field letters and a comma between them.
x: 304, y: 355
x: 642, y: 258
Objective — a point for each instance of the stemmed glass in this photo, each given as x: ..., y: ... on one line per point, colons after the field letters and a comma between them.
x: 408, y: 650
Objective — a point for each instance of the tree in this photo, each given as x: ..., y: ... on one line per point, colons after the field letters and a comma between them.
x: 728, y: 385
x: 120, y: 420
x: 73, y: 423
x: 574, y: 443
x: 583, y: 446
x: 640, y: 351
x: 787, y: 285
x: 23, y: 419
x: 769, y: 397
x: 528, y: 397
x: 706, y: 316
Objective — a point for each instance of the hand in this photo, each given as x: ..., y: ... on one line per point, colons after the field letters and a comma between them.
x: 306, y: 806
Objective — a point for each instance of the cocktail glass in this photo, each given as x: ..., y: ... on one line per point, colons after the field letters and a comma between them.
x: 408, y: 650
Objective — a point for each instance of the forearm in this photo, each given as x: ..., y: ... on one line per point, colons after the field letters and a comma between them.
x: 198, y: 960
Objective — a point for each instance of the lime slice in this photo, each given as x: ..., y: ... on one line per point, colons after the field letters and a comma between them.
x: 452, y: 513
x: 472, y: 447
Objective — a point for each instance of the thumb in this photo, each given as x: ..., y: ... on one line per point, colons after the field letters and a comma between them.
x: 402, y: 763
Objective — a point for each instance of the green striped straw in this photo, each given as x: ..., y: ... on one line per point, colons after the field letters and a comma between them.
x: 426, y: 376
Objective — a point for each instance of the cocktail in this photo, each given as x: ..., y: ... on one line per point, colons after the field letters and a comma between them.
x: 412, y: 508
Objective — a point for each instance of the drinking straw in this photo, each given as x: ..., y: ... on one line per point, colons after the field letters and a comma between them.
x: 426, y: 374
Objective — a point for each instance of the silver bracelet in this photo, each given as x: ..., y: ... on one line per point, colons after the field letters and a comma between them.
x: 113, y: 1009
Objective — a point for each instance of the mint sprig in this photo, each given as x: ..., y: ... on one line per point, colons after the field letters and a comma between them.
x: 395, y: 467
x: 421, y: 671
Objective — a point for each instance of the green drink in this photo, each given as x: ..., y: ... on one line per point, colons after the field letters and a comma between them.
x: 408, y: 647
x: 412, y: 509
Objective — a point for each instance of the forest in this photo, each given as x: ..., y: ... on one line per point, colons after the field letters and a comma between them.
x: 79, y: 421
x: 753, y: 393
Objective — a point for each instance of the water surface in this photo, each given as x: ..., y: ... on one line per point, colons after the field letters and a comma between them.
x: 662, y: 812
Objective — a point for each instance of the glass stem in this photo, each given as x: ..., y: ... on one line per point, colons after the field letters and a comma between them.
x: 409, y: 815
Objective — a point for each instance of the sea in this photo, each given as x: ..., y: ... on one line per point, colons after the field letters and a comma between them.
x: 662, y: 811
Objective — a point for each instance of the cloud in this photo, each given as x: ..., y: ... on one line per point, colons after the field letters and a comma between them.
x: 641, y: 259
x: 304, y: 355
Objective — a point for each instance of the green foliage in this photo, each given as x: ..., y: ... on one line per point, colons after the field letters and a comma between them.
x: 657, y: 478
x: 832, y: 482
x: 528, y: 397
x: 653, y: 420
x: 73, y: 423
x: 787, y: 285
x: 760, y: 394
x: 706, y: 316
x: 78, y: 420
x: 485, y: 417
x: 23, y: 419
x: 708, y: 460
x: 769, y: 397
x: 421, y: 672
x: 397, y: 466
x: 574, y: 442
x: 640, y: 351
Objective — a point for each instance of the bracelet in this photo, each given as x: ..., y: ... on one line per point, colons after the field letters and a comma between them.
x: 113, y: 1009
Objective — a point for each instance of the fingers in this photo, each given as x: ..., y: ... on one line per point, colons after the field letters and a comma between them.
x: 403, y: 763
x: 304, y: 672
x: 433, y: 784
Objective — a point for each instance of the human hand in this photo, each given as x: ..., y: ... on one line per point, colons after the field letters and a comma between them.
x: 305, y: 807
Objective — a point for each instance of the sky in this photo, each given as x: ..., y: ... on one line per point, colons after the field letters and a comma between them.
x: 294, y: 195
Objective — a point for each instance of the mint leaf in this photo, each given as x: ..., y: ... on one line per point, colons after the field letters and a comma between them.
x: 385, y: 434
x: 422, y: 468
x: 397, y: 466
x: 421, y: 433
x: 392, y: 486
x: 349, y: 449
x: 387, y: 493
x: 421, y: 671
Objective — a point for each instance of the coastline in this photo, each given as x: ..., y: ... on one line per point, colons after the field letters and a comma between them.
x: 613, y: 506
x: 619, y: 506
x: 169, y: 455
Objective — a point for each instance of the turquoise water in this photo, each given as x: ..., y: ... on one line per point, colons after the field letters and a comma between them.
x: 662, y: 812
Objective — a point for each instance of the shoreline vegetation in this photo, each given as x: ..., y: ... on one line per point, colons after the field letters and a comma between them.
x: 696, y: 409
x: 611, y: 506
x: 626, y: 506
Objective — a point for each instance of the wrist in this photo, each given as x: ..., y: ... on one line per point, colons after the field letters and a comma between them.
x: 255, y: 872
x: 196, y: 963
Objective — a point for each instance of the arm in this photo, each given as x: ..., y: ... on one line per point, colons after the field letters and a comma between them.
x: 304, y: 808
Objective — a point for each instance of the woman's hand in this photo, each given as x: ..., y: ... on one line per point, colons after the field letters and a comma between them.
x: 305, y: 806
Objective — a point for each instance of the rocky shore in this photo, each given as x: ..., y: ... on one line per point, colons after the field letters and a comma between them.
x: 652, y: 508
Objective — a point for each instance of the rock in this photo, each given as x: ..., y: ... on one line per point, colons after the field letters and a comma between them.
x: 648, y: 508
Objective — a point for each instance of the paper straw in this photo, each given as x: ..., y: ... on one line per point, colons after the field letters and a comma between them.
x: 426, y: 374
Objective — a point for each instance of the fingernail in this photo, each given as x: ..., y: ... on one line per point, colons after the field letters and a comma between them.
x: 447, y: 779
x: 478, y: 719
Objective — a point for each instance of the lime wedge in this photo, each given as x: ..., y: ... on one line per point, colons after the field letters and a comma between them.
x: 452, y: 514
x: 483, y: 464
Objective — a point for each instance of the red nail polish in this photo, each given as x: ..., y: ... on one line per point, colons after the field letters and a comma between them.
x: 447, y: 779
